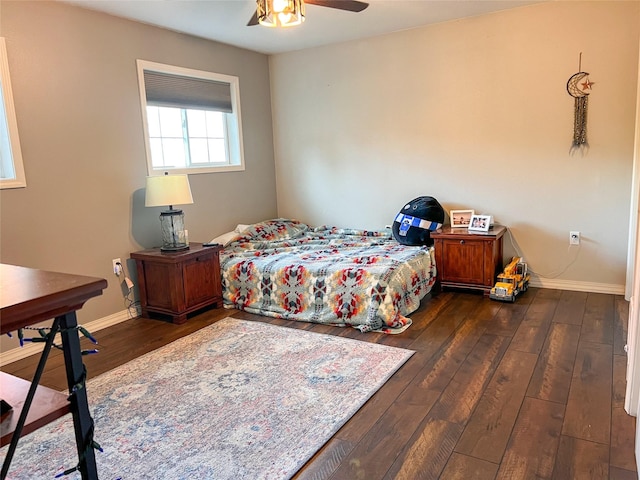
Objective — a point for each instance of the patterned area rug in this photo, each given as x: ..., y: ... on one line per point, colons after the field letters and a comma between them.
x: 234, y: 400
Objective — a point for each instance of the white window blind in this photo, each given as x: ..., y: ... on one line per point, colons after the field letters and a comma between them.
x: 167, y: 90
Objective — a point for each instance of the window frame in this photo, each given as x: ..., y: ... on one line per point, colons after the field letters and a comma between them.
x: 9, y: 137
x: 233, y: 121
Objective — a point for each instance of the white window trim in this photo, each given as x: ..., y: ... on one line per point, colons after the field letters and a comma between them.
x: 235, y: 141
x: 9, y: 113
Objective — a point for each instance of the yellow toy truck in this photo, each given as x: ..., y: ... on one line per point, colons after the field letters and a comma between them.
x: 511, y: 282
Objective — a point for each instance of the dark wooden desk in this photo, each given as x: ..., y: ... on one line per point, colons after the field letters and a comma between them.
x: 29, y: 296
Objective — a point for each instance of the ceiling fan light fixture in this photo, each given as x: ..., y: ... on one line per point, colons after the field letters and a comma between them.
x: 280, y: 13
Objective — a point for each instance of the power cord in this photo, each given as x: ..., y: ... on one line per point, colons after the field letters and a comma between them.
x: 132, y: 307
x: 552, y: 274
x: 130, y: 303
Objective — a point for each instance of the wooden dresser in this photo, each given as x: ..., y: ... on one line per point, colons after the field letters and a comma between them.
x: 468, y: 260
x: 178, y: 283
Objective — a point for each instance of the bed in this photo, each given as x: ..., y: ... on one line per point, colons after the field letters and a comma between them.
x: 286, y: 269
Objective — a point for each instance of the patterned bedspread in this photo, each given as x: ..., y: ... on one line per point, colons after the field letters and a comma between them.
x: 286, y: 269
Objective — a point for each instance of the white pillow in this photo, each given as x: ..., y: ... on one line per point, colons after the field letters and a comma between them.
x: 225, y: 239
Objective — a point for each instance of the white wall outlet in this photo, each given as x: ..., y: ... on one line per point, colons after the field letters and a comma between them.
x: 117, y: 266
x: 574, y: 238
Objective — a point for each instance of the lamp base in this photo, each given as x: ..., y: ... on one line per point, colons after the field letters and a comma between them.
x: 172, y: 226
x: 175, y: 248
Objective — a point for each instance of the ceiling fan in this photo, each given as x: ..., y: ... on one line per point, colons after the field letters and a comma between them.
x: 269, y: 12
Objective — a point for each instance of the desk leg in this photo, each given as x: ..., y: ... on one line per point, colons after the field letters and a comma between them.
x: 17, y: 433
x: 82, y: 421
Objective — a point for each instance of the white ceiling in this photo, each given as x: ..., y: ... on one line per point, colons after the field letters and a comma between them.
x: 225, y: 20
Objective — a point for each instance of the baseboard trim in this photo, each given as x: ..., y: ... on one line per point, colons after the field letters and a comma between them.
x: 29, y: 349
x: 576, y: 286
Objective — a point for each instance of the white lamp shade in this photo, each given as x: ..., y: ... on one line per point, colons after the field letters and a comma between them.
x: 165, y: 190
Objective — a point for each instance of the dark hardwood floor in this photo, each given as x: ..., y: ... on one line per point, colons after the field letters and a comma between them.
x: 533, y: 389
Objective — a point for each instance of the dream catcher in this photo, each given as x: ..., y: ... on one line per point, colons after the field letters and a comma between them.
x: 578, y: 87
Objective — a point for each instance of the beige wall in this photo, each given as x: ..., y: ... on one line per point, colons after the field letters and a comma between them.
x: 475, y: 113
x: 77, y: 105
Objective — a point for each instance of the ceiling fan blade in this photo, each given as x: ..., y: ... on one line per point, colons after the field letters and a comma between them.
x: 254, y: 19
x: 350, y: 5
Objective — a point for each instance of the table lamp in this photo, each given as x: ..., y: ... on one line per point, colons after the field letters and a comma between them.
x: 170, y: 190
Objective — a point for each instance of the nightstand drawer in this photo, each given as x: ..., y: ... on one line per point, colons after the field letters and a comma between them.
x: 463, y: 261
x: 201, y: 276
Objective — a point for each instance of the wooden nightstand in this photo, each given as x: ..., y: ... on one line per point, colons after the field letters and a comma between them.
x: 469, y: 260
x: 178, y: 283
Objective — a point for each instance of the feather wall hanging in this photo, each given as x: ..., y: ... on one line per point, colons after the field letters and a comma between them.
x: 579, y: 86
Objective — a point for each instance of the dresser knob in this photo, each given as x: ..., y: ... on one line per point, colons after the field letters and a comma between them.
x: 461, y: 242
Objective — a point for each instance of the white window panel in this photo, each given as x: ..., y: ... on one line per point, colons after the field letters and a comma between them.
x: 11, y: 167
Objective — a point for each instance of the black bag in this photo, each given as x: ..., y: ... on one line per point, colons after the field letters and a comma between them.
x: 417, y: 219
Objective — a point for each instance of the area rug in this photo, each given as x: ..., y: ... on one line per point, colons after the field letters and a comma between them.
x: 235, y: 400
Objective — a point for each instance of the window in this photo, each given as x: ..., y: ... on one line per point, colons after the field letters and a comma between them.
x: 11, y: 169
x: 192, y: 120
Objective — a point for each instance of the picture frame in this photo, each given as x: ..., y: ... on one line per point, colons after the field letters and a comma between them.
x: 480, y: 223
x: 460, y: 218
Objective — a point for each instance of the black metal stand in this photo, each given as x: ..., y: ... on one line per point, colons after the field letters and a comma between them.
x: 27, y: 403
x: 76, y: 375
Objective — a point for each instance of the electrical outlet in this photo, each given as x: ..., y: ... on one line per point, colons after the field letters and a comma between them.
x: 117, y: 266
x: 574, y: 238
